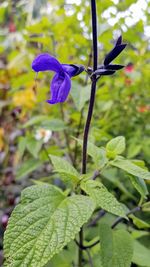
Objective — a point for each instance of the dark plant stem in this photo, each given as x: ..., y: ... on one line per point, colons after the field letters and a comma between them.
x: 90, y: 109
x: 93, y: 86
x: 90, y: 258
x: 100, y: 214
x: 120, y: 219
x: 82, y: 111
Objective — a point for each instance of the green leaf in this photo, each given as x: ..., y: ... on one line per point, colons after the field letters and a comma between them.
x: 115, y: 146
x: 35, y: 120
x: 141, y: 255
x: 42, y: 224
x: 130, y: 167
x: 103, y: 198
x: 146, y: 206
x: 140, y: 185
x: 66, y: 170
x: 27, y: 167
x: 54, y: 125
x: 98, y: 154
x: 34, y: 146
x: 139, y: 223
x: 22, y: 145
x: 116, y: 247
x: 80, y: 94
x: 106, y: 243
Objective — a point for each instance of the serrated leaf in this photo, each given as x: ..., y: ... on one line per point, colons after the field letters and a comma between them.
x: 103, y: 198
x: 27, y: 167
x: 130, y: 167
x: 98, y: 154
x: 42, y: 224
x: 115, y: 146
x: 140, y: 185
x: 66, y: 170
x: 116, y: 247
x: 141, y: 255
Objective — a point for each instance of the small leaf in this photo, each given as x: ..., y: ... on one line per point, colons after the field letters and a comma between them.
x: 115, y: 146
x: 27, y: 167
x: 22, y: 145
x: 35, y: 120
x: 98, y: 154
x: 139, y: 223
x: 66, y: 170
x: 130, y: 167
x: 116, y: 247
x: 140, y: 185
x: 33, y: 146
x: 54, y: 125
x: 146, y: 206
x: 103, y: 198
x: 42, y: 224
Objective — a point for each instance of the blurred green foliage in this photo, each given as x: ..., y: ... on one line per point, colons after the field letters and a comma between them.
x: 122, y: 108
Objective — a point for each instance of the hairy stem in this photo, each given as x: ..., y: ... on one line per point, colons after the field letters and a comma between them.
x: 90, y: 109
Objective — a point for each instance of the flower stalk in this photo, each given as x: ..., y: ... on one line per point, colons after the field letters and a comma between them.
x: 90, y: 109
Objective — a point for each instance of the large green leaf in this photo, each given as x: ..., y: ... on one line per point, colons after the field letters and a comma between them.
x: 115, y: 146
x: 42, y: 224
x: 103, y: 198
x: 130, y: 167
x: 66, y: 170
x: 141, y: 255
x: 116, y: 247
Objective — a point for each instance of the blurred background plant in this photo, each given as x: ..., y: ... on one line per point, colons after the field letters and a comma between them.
x: 30, y: 129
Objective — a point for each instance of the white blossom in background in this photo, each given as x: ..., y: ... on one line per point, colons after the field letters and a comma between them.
x: 43, y: 134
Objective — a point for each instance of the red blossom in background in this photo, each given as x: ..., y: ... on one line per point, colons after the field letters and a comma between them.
x: 129, y: 68
x: 143, y: 109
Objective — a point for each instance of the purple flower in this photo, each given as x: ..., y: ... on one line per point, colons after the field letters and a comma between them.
x: 107, y: 68
x: 61, y: 82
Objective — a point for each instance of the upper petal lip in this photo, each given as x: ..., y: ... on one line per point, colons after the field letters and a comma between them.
x: 44, y: 62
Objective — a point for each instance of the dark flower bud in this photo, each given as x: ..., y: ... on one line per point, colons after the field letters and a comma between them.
x: 119, y: 47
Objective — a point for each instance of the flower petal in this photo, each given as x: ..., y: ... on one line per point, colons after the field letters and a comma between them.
x: 45, y: 62
x: 114, y: 53
x: 114, y: 67
x: 104, y: 72
x: 119, y: 40
x: 60, y: 87
x: 73, y: 69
